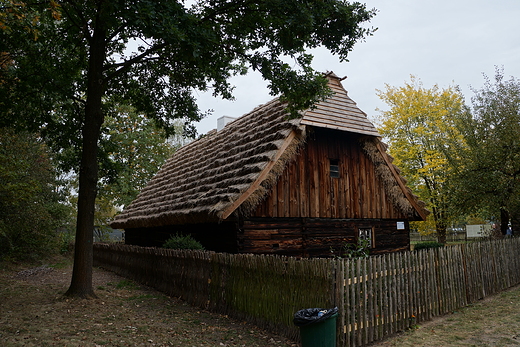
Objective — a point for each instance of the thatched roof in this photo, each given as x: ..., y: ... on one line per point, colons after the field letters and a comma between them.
x: 231, y: 171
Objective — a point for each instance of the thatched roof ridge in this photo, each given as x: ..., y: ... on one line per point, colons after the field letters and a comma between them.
x: 395, y: 184
x: 229, y: 172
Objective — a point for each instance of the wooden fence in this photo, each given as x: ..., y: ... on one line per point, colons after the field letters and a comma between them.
x: 376, y: 296
x: 385, y: 294
x: 264, y: 290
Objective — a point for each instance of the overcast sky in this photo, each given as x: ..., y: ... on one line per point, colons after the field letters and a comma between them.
x: 444, y: 42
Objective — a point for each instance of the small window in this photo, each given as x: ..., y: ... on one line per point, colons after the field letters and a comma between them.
x: 334, y: 168
x: 366, y: 234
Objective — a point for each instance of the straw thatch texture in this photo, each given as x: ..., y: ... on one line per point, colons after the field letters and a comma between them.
x: 394, y: 190
x: 229, y: 172
x: 206, y: 176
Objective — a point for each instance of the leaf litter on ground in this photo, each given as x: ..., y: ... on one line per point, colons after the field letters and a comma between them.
x: 35, y: 312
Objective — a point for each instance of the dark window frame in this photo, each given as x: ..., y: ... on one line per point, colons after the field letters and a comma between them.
x: 334, y: 168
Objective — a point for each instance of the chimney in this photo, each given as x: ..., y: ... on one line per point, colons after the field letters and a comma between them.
x: 222, y: 121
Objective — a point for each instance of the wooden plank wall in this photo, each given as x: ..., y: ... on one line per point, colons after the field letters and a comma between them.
x: 305, y: 188
x: 317, y: 237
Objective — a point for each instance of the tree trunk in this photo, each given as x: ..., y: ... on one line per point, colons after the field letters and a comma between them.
x: 81, y: 284
x: 515, y: 222
x: 504, y: 220
x: 440, y: 225
x: 441, y: 233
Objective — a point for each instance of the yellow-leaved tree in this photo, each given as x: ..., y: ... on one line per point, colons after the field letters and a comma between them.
x: 419, y: 128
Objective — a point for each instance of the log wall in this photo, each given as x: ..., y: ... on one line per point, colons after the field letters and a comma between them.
x: 318, y: 237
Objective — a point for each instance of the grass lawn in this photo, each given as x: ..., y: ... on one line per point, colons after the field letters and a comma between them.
x: 493, y: 321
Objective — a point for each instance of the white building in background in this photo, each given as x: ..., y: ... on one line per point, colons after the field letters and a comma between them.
x: 478, y: 230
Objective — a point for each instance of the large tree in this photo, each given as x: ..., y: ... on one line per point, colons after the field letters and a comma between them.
x: 489, y: 166
x: 63, y: 72
x: 420, y: 127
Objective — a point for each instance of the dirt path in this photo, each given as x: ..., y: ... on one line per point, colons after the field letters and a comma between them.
x: 33, y: 312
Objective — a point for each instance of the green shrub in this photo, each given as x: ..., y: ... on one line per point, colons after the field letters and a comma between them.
x: 179, y: 241
x: 353, y: 250
x: 426, y: 245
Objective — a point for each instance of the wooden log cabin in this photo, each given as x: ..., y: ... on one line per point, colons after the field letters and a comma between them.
x: 265, y: 184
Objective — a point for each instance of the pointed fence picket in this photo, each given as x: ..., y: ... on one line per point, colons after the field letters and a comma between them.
x: 376, y: 296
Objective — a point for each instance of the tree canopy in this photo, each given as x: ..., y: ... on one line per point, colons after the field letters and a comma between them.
x: 135, y: 149
x: 420, y: 128
x: 31, y: 206
x: 63, y: 74
x: 488, y: 169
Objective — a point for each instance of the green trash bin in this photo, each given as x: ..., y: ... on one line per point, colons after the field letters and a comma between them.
x: 317, y: 326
